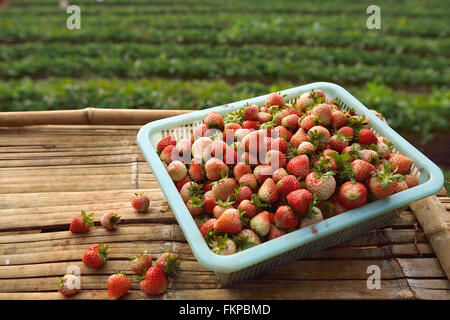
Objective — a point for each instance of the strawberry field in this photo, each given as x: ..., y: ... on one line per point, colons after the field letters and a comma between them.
x: 199, y: 54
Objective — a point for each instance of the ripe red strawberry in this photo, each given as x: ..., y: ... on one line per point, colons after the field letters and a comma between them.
x: 290, y: 122
x: 229, y: 222
x: 278, y: 144
x: 362, y: 170
x: 278, y: 174
x: 262, y: 172
x: 347, y: 131
x: 195, y: 206
x: 197, y: 172
x: 207, y: 226
x: 209, y: 203
x: 141, y: 262
x: 281, y: 132
x: 177, y: 170
x: 251, y: 124
x: 169, y: 154
x: 260, y: 223
x: 383, y: 182
x: 274, y: 232
x: 299, y: 137
x: 82, y: 222
x: 242, y: 193
x: 182, y: 182
x: 353, y: 195
x: 411, y: 180
x: 401, y: 163
x: 240, y: 169
x: 168, y: 263
x: 268, y: 191
x: 118, y: 285
x: 110, y: 220
x: 251, y: 112
x: 155, y: 282
x: 300, y: 200
x: 323, y: 114
x: 274, y: 99
x: 214, y: 168
x: 169, y: 140
x: 338, y: 119
x: 338, y: 142
x: 287, y: 184
x: 140, y: 202
x: 95, y: 255
x: 249, y: 208
x: 323, y: 185
x: 275, y: 159
x: 367, y: 137
x: 285, y: 218
x: 308, y: 122
x: 224, y: 188
x: 214, y: 120
x: 299, y: 166
x: 249, y: 180
x: 68, y: 285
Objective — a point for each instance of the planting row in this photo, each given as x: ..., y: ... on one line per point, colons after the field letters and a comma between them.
x: 403, y: 109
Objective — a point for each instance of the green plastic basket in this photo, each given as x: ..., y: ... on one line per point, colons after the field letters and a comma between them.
x: 300, y: 243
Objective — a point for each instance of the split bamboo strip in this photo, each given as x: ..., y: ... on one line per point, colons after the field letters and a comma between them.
x: 89, y: 116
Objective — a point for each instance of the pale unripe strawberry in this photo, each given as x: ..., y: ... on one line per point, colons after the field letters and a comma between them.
x: 184, y: 147
x: 249, y: 208
x: 260, y: 223
x: 229, y: 247
x: 323, y: 186
x: 278, y: 117
x: 321, y: 130
x: 383, y: 150
x: 224, y: 188
x: 201, y: 149
x: 315, y: 218
x: 251, y: 235
x: 362, y: 170
x: 323, y: 113
x: 290, y: 122
x: 177, y: 170
x: 240, y: 169
x: 110, y: 220
x: 168, y: 154
x: 264, y: 117
x: 308, y: 122
x: 305, y: 147
x: 268, y: 191
x: 304, y: 101
x: 338, y: 119
x: 278, y: 144
x: 214, y: 167
x: 275, y: 159
x: 262, y: 172
x: 279, y: 173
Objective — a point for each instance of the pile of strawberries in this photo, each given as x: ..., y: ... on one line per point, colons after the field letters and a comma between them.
x: 260, y: 172
x: 153, y: 278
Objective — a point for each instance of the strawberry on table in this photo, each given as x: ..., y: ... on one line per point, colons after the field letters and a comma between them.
x: 118, y: 285
x: 95, y: 255
x: 155, y: 282
x: 168, y: 263
x: 110, y: 220
x: 68, y: 285
x: 141, y: 262
x: 82, y: 222
x: 140, y: 202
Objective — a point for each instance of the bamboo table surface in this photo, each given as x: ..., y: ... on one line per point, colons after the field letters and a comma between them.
x: 49, y: 174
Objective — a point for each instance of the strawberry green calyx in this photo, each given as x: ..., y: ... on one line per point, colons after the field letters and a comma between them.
x: 268, y: 125
x: 114, y: 220
x: 218, y: 245
x: 143, y: 253
x: 244, y: 220
x: 103, y: 252
x: 173, y: 265
x: 136, y: 194
x: 312, y: 204
x: 120, y: 272
x: 61, y: 283
x: 386, y: 175
x: 201, y: 219
x: 292, y: 151
x: 224, y: 204
x: 210, y: 236
x: 234, y: 117
x: 87, y: 218
x: 195, y: 189
x: 243, y: 243
x: 345, y: 171
x: 196, y: 202
x: 317, y: 139
x: 257, y: 201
